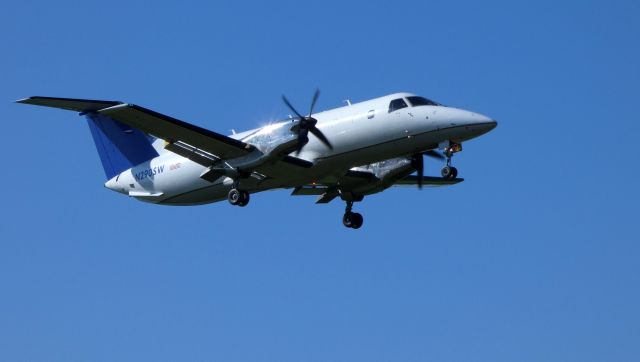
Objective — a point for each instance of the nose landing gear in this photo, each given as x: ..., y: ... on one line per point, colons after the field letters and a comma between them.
x: 351, y: 219
x: 449, y: 172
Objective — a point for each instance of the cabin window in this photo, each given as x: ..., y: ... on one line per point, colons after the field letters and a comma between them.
x: 397, y: 104
x: 371, y: 114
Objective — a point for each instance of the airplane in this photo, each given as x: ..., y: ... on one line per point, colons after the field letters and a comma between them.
x: 348, y: 152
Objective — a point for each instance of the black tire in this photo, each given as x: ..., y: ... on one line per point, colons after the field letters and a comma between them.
x: 356, y: 220
x: 244, y: 198
x: 446, y: 172
x: 234, y: 197
x: 347, y: 219
x: 454, y: 173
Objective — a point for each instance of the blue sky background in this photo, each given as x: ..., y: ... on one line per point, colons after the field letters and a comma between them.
x: 535, y: 257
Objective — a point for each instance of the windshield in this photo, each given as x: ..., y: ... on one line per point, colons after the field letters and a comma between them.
x: 397, y: 104
x: 421, y: 101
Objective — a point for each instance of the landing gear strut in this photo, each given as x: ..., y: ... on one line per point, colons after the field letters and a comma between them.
x: 351, y: 219
x: 449, y: 172
x: 238, y: 197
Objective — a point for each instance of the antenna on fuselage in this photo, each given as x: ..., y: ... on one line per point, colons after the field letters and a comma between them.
x: 348, y: 101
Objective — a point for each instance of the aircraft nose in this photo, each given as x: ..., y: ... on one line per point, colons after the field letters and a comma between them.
x: 481, y: 123
x: 488, y: 125
x: 476, y: 124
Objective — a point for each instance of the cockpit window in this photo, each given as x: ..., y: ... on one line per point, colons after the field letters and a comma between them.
x: 397, y: 104
x: 421, y: 101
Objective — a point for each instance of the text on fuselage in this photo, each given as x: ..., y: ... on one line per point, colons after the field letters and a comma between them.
x: 150, y: 172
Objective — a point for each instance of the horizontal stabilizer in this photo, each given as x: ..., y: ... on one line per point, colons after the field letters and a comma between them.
x: 145, y: 194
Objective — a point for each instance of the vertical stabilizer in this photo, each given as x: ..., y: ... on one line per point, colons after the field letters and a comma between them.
x: 120, y: 147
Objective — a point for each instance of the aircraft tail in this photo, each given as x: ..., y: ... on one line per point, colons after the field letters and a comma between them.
x: 119, y: 146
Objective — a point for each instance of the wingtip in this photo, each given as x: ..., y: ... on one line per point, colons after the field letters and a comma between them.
x: 23, y: 100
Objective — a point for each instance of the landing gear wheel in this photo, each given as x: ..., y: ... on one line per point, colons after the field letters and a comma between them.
x: 356, y: 220
x: 449, y: 172
x: 446, y: 172
x: 234, y: 197
x: 352, y: 220
x: 346, y: 219
x: 244, y: 197
x: 238, y: 198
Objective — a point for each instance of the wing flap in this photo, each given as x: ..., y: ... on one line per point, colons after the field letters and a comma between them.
x: 328, y: 196
x: 428, y: 181
x: 309, y: 190
x: 192, y: 153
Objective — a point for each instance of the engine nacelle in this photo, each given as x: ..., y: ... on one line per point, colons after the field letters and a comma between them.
x: 275, y: 140
x: 386, y: 173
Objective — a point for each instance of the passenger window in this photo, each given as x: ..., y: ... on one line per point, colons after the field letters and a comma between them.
x: 397, y: 104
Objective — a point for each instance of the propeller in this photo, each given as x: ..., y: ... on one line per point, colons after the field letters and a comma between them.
x: 307, y: 124
x: 417, y: 161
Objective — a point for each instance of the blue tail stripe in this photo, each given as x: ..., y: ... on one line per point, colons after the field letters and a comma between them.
x: 120, y: 147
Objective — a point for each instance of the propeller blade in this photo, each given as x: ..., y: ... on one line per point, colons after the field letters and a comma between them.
x: 418, y: 163
x: 307, y: 124
x: 316, y: 132
x: 286, y: 101
x: 434, y: 154
x: 303, y: 139
x: 314, y: 100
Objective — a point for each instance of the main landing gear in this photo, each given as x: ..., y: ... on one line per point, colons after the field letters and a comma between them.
x: 238, y: 197
x: 351, y: 219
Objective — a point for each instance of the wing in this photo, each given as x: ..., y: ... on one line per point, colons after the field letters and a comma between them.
x: 185, y: 138
x: 355, y: 183
x: 427, y: 181
x: 70, y: 104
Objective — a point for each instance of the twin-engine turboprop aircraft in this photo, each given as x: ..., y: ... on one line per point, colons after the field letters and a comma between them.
x: 347, y: 152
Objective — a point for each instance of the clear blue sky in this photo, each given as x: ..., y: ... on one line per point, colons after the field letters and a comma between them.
x: 535, y: 257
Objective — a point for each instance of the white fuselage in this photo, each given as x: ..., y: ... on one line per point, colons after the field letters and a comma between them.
x: 361, y: 133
